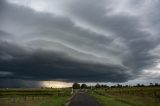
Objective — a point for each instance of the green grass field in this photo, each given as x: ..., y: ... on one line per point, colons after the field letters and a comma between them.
x: 33, y: 97
x: 142, y: 96
x: 55, y: 101
x: 145, y: 96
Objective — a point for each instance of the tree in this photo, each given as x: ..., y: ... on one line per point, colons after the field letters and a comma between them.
x: 76, y: 86
x: 151, y: 84
x: 83, y: 86
x: 119, y: 86
x: 97, y: 85
x: 126, y: 86
x: 138, y: 85
x: 156, y: 84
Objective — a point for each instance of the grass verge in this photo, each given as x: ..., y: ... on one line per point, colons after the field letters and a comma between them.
x: 128, y: 97
x: 55, y: 101
x: 108, y: 101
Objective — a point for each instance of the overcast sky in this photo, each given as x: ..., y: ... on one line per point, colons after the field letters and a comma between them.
x: 109, y: 41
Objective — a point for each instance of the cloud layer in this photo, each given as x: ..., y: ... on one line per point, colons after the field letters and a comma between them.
x: 84, y: 41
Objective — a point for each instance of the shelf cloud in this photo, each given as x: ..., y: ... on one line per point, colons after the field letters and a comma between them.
x: 83, y: 41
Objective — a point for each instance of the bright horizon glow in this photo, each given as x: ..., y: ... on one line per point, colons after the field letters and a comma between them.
x: 56, y: 84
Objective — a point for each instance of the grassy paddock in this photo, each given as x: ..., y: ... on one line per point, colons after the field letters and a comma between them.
x: 146, y: 96
x: 55, y: 101
x: 30, y: 92
x: 33, y: 97
x: 22, y: 100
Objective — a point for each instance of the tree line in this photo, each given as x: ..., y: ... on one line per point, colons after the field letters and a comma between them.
x: 84, y: 86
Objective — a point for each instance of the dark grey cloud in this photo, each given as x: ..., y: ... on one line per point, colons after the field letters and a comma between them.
x: 18, y: 83
x: 90, y: 44
x: 4, y: 34
x: 127, y: 28
x: 52, y: 65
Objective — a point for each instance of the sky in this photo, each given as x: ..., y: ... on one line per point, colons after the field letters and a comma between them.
x: 58, y: 42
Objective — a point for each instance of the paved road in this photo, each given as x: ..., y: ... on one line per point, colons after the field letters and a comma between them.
x: 82, y: 99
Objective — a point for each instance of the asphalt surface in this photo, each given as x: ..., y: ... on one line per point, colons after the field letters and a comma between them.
x: 82, y: 99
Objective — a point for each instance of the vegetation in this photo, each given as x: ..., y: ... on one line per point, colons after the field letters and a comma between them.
x: 22, y: 100
x: 108, y: 101
x: 135, y: 96
x: 117, y: 95
x: 76, y: 86
x: 33, y: 97
x: 55, y: 101
x: 33, y: 92
x: 83, y: 86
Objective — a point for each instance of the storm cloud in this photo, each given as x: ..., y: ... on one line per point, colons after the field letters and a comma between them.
x: 83, y: 41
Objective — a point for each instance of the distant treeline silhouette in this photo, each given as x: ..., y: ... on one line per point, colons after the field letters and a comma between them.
x: 84, y: 86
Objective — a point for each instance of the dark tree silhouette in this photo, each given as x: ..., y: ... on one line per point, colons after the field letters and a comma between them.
x: 97, y: 85
x: 76, y: 86
x: 83, y: 86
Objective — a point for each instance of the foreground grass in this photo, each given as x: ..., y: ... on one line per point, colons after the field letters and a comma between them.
x: 108, y: 101
x: 128, y: 96
x: 22, y: 101
x: 55, y: 101
x: 37, y: 101
x: 33, y: 92
x: 33, y: 97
